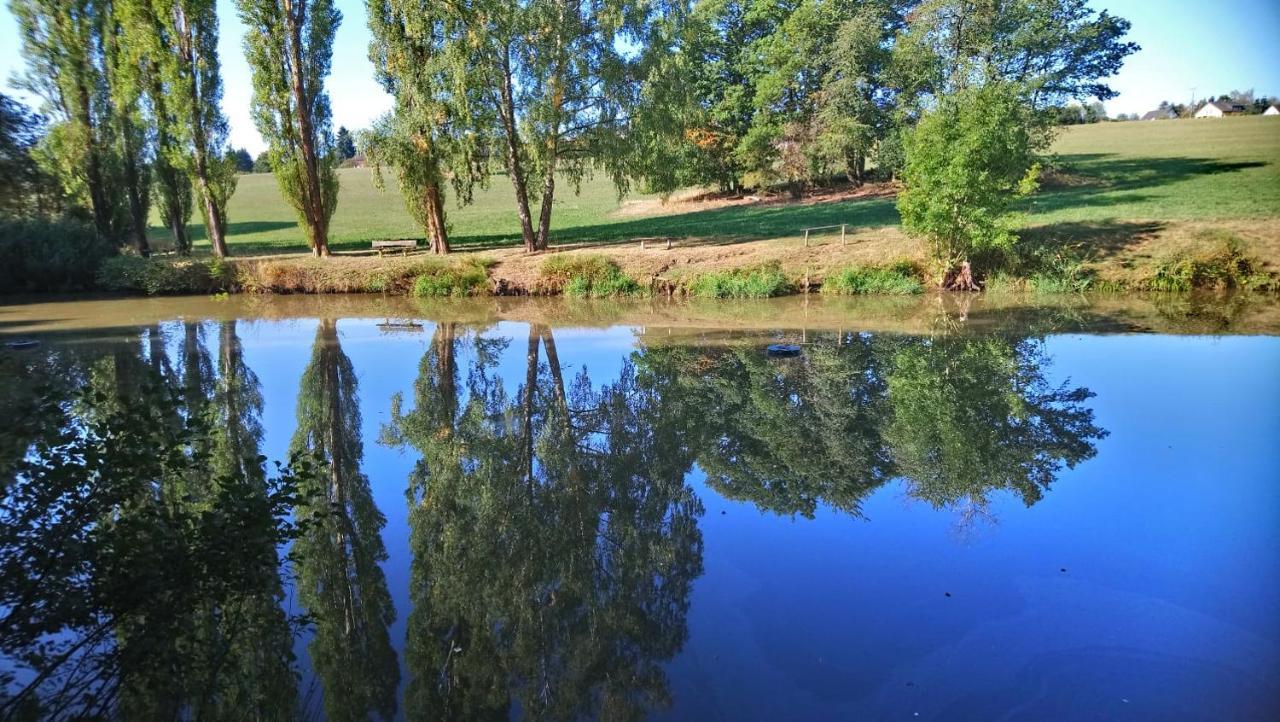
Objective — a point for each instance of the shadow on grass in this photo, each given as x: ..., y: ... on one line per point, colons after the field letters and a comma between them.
x: 1101, y: 179
x: 733, y: 224
x: 161, y: 235
x: 1086, y: 239
x: 1087, y: 179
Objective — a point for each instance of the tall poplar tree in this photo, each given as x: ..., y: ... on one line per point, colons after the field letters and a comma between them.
x: 63, y: 44
x: 191, y: 73
x: 125, y: 91
x: 289, y: 46
x: 172, y: 45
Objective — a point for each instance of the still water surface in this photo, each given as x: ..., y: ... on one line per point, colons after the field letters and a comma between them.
x: 969, y: 515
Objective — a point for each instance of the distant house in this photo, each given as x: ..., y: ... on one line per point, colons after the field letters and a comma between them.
x: 1160, y: 114
x: 1273, y: 110
x: 1217, y: 109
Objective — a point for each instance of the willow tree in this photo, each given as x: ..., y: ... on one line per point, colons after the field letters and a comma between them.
x: 289, y: 46
x: 422, y: 137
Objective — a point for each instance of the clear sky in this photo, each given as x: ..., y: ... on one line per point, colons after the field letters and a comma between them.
x: 1211, y: 47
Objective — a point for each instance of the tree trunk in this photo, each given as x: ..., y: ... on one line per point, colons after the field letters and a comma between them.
x: 960, y: 278
x: 553, y: 140
x: 98, y: 202
x: 507, y: 111
x: 530, y: 382
x: 553, y: 361
x: 313, y: 200
x: 436, y: 228
x: 544, y: 213
x: 135, y: 191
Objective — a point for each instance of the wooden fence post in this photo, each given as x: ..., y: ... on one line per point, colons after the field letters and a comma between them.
x: 806, y: 238
x: 842, y: 226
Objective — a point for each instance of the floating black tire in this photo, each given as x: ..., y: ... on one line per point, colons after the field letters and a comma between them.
x: 20, y: 345
x: 783, y: 350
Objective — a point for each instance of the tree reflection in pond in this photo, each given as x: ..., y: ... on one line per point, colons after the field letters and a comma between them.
x: 554, y: 541
x: 955, y: 417
x: 553, y: 525
x: 141, y: 575
x: 340, y: 581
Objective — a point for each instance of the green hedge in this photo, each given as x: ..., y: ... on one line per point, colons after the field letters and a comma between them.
x: 49, y: 255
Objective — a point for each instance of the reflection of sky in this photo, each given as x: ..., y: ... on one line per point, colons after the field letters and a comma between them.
x: 1170, y: 539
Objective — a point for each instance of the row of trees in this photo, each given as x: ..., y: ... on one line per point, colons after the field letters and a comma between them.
x: 135, y: 91
x: 731, y: 92
x: 553, y: 533
x: 671, y: 94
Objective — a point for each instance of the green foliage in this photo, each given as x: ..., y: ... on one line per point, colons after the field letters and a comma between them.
x: 966, y: 162
x: 588, y: 514
x: 65, y: 46
x: 1052, y: 50
x: 159, y: 574
x: 338, y: 558
x: 1222, y: 262
x: 901, y: 278
x: 294, y: 117
x: 755, y: 282
x: 457, y: 279
x: 25, y: 189
x: 345, y: 144
x: 50, y: 254
x: 154, y: 276
x: 588, y: 276
x: 973, y: 416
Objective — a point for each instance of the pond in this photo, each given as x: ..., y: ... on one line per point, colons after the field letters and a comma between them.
x: 352, y: 508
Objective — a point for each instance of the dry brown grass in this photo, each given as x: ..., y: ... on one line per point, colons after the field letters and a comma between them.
x: 338, y: 274
x: 684, y: 259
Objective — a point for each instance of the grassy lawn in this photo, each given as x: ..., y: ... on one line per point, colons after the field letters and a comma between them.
x: 1112, y: 179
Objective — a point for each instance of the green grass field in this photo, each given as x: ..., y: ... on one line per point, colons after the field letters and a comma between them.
x: 1110, y: 172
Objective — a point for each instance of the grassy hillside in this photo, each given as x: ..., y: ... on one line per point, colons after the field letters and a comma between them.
x: 1111, y: 178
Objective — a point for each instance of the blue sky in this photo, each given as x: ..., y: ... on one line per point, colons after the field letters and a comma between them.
x: 1211, y: 47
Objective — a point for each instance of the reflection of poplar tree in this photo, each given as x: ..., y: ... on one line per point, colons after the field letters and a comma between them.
x: 159, y: 574
x: 339, y: 577
x: 554, y: 544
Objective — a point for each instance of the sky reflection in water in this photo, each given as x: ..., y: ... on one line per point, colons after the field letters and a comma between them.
x: 621, y: 523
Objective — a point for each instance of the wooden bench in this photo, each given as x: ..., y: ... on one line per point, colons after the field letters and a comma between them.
x: 841, y: 226
x: 404, y: 244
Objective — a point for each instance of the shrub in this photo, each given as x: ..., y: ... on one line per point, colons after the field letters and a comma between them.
x: 901, y: 278
x: 1221, y: 262
x: 755, y: 282
x: 154, y: 276
x: 588, y: 276
x: 965, y: 162
x: 464, y: 279
x: 49, y: 255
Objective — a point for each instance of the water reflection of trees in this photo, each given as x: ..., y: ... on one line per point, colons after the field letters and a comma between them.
x: 957, y: 418
x: 139, y: 540
x: 340, y: 581
x: 554, y: 539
